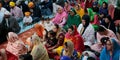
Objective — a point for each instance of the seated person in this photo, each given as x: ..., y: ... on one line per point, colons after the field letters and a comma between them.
x: 15, y: 45
x: 38, y: 52
x: 10, y: 23
x: 69, y: 51
x: 27, y: 19
x: 51, y: 39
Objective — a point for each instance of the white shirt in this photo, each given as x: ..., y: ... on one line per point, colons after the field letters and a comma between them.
x: 27, y: 19
x: 3, y: 10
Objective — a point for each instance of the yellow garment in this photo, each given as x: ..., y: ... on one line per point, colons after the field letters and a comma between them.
x: 30, y: 4
x: 27, y: 13
x: 80, y: 12
x: 12, y: 4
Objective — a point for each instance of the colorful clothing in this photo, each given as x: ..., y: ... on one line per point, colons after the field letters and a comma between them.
x: 105, y: 55
x: 80, y: 12
x: 76, y: 39
x: 72, y: 20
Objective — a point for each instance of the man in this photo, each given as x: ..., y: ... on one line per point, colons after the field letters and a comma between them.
x: 16, y: 11
x: 35, y: 11
x: 10, y: 23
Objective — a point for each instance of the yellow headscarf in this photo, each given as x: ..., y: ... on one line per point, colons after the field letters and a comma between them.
x: 12, y: 4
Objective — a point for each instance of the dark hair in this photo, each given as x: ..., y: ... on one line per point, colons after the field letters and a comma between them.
x: 27, y: 56
x: 57, y: 26
x: 52, y: 33
x: 66, y: 44
x: 71, y: 27
x: 109, y: 17
x: 104, y: 40
x: 101, y: 29
x: 90, y: 58
x: 105, y: 4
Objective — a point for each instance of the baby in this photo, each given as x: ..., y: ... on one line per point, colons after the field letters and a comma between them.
x: 27, y: 19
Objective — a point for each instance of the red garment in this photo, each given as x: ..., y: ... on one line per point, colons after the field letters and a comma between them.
x: 111, y: 10
x: 88, y: 4
x: 96, y: 20
x: 10, y: 56
x: 77, y: 40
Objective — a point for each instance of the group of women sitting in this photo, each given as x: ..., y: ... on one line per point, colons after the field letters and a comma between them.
x: 77, y: 32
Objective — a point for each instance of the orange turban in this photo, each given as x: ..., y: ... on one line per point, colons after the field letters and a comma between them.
x: 30, y: 4
x: 39, y: 30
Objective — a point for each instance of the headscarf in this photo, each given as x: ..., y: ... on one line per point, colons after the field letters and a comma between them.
x: 73, y: 10
x: 111, y: 10
x: 59, y: 16
x: 39, y: 30
x: 76, y: 39
x: 12, y: 37
x: 87, y: 20
x: 105, y: 55
x: 15, y: 45
x: 12, y: 4
x: 30, y: 4
x: 70, y: 47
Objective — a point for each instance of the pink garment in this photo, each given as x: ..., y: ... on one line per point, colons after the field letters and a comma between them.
x: 111, y: 10
x: 15, y: 45
x: 67, y: 9
x: 96, y: 20
x: 110, y: 34
x: 97, y: 47
x: 16, y: 12
x: 60, y: 19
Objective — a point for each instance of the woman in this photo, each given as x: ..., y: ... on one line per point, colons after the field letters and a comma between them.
x: 67, y: 7
x: 57, y: 29
x: 111, y: 10
x: 41, y: 32
x: 86, y: 30
x: 59, y: 43
x: 104, y: 8
x: 15, y: 45
x: 111, y: 51
x: 69, y: 51
x: 73, y: 19
x: 108, y: 23
x: 51, y: 39
x: 60, y: 17
x: 103, y: 32
x: 79, y: 10
x: 74, y: 36
x: 38, y: 52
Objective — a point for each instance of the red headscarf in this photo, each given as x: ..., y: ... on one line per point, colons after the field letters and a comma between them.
x: 76, y: 39
x: 111, y: 10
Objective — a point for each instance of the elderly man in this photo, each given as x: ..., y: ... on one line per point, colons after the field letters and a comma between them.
x: 16, y: 11
x: 10, y: 23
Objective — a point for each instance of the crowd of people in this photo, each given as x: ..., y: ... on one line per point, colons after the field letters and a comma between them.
x: 79, y: 30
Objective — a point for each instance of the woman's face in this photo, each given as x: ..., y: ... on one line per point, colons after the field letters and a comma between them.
x: 66, y: 48
x: 83, y: 22
x: 70, y: 31
x: 109, y: 45
x: 66, y: 4
x: 104, y: 5
x: 59, y: 10
x: 72, y: 13
x: 77, y: 7
x: 106, y: 20
x: 55, y: 29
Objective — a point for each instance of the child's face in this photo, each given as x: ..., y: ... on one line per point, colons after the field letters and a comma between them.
x: 47, y: 21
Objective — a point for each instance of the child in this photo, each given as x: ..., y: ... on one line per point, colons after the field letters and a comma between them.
x: 27, y: 19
